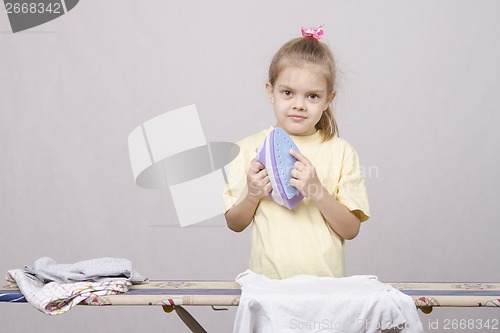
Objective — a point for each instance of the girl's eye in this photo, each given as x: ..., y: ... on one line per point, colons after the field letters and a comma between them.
x: 313, y: 96
x: 287, y: 93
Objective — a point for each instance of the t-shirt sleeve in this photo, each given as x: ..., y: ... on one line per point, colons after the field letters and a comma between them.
x: 351, y: 189
x: 235, y: 180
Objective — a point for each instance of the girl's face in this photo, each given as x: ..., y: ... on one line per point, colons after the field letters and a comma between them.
x: 299, y: 97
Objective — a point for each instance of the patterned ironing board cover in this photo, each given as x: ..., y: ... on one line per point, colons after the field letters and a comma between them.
x: 227, y: 293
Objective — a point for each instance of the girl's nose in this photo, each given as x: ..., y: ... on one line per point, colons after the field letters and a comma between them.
x: 299, y: 105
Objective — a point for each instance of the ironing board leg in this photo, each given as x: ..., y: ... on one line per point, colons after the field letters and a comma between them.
x: 186, y: 318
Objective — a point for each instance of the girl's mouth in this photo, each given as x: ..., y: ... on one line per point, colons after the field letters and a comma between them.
x: 297, y: 118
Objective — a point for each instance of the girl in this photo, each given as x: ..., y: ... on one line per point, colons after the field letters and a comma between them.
x: 310, y: 238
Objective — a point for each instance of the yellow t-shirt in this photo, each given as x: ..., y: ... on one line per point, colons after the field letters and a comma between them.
x: 287, y: 242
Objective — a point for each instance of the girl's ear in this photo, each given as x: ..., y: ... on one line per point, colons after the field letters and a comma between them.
x: 331, y: 96
x: 269, y: 89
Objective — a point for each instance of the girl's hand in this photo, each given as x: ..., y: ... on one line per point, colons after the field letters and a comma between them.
x: 305, y: 178
x: 258, y: 182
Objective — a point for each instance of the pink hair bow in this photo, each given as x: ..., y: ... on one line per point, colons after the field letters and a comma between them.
x: 316, y: 33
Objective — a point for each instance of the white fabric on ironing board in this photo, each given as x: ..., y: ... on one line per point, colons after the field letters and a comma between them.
x: 306, y: 303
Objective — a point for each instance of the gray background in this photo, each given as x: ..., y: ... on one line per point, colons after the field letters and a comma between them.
x: 417, y: 97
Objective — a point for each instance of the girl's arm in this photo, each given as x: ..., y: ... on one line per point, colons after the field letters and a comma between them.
x: 340, y: 219
x: 241, y: 214
x: 305, y: 179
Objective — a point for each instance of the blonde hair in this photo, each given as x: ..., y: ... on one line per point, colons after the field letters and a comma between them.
x: 305, y: 50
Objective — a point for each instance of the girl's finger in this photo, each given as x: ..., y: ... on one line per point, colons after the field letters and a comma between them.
x: 256, y: 166
x: 299, y: 166
x: 262, y: 173
x: 268, y: 188
x: 295, y: 173
x: 301, y: 158
x: 295, y: 183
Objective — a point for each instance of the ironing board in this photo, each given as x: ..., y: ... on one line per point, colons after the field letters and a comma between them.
x: 172, y: 295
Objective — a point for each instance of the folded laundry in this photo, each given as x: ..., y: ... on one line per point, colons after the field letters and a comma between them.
x: 47, y: 270
x: 54, y: 298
